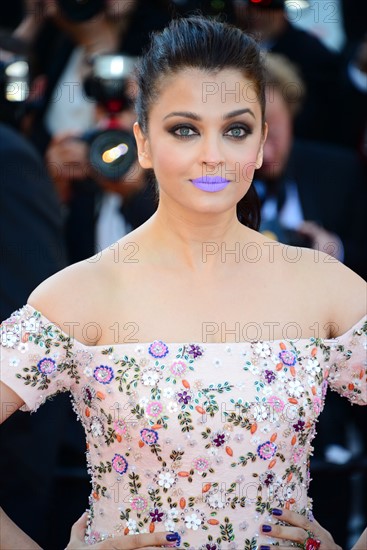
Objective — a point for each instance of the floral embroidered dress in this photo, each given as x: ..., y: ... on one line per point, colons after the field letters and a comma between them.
x: 203, y: 439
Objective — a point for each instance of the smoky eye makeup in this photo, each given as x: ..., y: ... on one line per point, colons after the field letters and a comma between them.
x: 183, y: 131
x: 238, y: 130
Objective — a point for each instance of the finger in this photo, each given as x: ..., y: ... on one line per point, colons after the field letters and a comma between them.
x: 293, y: 518
x: 145, y: 540
x: 78, y: 529
x: 295, y: 534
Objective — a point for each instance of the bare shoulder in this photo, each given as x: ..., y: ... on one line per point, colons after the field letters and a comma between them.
x: 333, y: 287
x: 76, y: 297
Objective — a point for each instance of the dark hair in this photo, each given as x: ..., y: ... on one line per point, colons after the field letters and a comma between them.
x: 209, y: 45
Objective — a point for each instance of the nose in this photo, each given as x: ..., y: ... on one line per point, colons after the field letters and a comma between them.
x: 211, y: 154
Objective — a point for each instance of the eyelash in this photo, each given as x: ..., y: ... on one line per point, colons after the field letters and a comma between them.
x: 178, y: 127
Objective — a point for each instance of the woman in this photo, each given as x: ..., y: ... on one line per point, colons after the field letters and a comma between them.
x: 198, y: 352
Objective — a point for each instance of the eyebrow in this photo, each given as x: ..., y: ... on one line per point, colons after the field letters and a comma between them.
x: 193, y: 116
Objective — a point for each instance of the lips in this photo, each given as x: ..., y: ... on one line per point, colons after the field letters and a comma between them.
x: 210, y: 183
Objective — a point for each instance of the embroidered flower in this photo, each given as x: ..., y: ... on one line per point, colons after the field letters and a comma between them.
x: 14, y: 362
x: 313, y: 366
x: 119, y: 464
x: 219, y: 439
x: 158, y: 349
x: 23, y: 347
x: 266, y: 450
x: 195, y: 351
x: 96, y: 426
x: 299, y: 426
x: 149, y: 437
x: 265, y: 429
x: 150, y: 378
x: 260, y: 412
x: 255, y: 440
x: 295, y: 388
x: 193, y: 521
x: 267, y: 478
x: 154, y: 409
x: 168, y: 392
x: 288, y: 357
x: 269, y: 376
x: 166, y: 479
x: 200, y: 464
x: 132, y: 527
x: 120, y: 427
x: 172, y: 407
x: 215, y: 500
x: 83, y: 358
x: 9, y: 338
x: 32, y: 325
x: 262, y: 349
x: 276, y: 403
x: 139, y: 503
x: 88, y: 394
x: 88, y: 371
x: 178, y: 368
x: 183, y: 397
x: 103, y: 374
x: 143, y: 402
x: 156, y: 515
x: 47, y: 365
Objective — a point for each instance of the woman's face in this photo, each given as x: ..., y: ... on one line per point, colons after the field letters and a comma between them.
x: 204, y: 140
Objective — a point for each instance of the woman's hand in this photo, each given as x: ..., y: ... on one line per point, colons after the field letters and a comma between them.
x: 128, y: 542
x: 300, y: 533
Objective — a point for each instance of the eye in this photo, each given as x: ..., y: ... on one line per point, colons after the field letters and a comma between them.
x: 238, y: 132
x: 183, y: 131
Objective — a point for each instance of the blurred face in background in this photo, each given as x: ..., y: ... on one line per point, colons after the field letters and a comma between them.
x: 280, y: 135
x: 120, y: 8
x: 265, y: 21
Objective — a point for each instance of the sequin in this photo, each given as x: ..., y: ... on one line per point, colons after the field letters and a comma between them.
x: 174, y: 441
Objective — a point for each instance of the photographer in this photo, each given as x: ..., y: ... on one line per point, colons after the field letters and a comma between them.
x: 298, y: 177
x: 97, y: 174
x: 98, y: 209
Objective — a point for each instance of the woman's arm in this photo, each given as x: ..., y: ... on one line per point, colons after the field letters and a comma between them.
x: 12, y: 537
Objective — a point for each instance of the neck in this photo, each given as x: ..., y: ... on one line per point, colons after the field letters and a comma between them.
x: 197, y: 242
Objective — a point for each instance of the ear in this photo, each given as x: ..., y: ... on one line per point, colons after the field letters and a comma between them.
x: 260, y: 154
x: 142, y: 144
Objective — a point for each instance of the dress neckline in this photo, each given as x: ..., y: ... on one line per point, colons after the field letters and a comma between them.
x: 328, y: 341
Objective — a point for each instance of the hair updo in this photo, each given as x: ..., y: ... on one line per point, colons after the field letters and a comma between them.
x: 200, y: 43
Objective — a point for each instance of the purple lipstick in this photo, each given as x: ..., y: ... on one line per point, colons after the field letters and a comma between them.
x: 210, y: 183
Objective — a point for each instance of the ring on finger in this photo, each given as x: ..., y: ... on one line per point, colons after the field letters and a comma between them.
x: 310, y: 542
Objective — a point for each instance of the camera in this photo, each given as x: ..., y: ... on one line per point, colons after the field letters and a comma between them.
x: 112, y: 150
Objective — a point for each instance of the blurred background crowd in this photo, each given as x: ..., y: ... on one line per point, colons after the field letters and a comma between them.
x: 70, y: 185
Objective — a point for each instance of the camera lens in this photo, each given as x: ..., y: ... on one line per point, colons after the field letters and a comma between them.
x: 112, y: 153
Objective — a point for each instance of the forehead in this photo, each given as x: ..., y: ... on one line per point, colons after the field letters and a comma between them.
x: 189, y: 88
